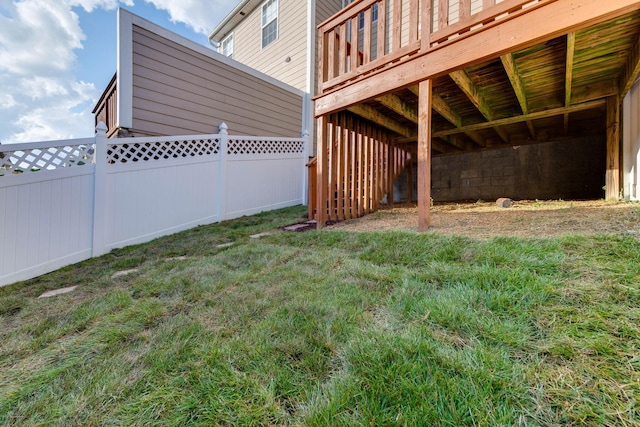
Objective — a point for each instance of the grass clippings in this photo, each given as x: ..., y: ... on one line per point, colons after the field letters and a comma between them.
x: 330, y: 328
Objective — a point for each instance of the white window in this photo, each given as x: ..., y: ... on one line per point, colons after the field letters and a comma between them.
x: 226, y: 46
x: 374, y: 16
x: 269, y: 22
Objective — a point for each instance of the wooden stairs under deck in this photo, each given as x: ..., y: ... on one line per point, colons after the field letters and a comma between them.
x: 362, y: 172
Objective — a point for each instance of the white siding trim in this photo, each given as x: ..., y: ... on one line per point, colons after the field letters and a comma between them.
x: 163, y: 32
x: 124, y: 67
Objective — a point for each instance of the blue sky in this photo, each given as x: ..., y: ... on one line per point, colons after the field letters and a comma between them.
x: 56, y: 57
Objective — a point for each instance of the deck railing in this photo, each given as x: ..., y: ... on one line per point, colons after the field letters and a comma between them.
x: 106, y: 110
x: 371, y: 34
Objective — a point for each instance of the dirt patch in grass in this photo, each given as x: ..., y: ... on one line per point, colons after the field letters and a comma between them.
x: 526, y: 218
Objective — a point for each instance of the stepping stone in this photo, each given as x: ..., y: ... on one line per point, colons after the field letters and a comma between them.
x: 225, y: 245
x: 177, y: 258
x: 259, y: 235
x: 296, y: 227
x: 123, y: 273
x: 55, y: 292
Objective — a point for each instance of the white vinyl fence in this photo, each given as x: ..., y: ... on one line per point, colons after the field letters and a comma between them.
x: 62, y: 202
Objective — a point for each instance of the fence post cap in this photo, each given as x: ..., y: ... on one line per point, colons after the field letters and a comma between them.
x: 223, y: 127
x: 101, y: 128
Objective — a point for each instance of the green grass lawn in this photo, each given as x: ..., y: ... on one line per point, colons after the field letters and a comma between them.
x: 329, y: 328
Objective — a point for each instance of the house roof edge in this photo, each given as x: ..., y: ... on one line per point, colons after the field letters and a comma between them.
x: 242, y: 9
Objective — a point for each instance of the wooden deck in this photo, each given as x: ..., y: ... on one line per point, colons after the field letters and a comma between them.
x: 486, y: 74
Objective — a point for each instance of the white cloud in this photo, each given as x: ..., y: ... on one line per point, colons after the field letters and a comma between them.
x: 200, y: 15
x: 40, y: 96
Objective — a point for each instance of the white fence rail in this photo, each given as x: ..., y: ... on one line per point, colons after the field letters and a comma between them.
x: 62, y: 202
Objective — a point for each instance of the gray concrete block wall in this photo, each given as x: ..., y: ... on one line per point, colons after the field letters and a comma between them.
x: 573, y: 169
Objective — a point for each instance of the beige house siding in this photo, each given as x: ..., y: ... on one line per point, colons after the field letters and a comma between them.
x: 291, y: 43
x: 177, y: 90
x: 324, y: 10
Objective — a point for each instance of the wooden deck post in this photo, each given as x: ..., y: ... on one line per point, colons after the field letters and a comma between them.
x: 323, y: 182
x: 424, y: 154
x: 612, y: 181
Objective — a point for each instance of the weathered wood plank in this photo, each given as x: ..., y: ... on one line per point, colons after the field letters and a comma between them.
x: 323, y: 182
x: 568, y: 79
x: 378, y: 118
x: 366, y: 45
x: 396, y: 41
x: 424, y: 155
x: 354, y: 55
x: 342, y: 53
x: 413, y: 20
x: 443, y: 14
x: 523, y: 118
x: 425, y: 25
x: 395, y: 103
x: 464, y: 9
x: 612, y: 179
x: 382, y: 28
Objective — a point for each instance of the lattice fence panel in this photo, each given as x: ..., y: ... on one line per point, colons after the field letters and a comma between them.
x: 161, y: 150
x: 264, y: 146
x: 43, y: 159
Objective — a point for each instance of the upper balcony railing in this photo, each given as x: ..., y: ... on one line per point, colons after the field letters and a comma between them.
x: 370, y: 34
x: 106, y: 110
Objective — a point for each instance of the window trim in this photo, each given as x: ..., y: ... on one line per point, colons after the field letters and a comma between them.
x: 222, y: 43
x: 263, y: 26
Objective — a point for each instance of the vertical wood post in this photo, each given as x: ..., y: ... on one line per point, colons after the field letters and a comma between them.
x: 305, y: 175
x: 410, y: 180
x: 322, y: 182
x: 391, y: 159
x: 223, y: 131
x: 612, y: 180
x: 425, y: 24
x: 99, y: 191
x: 424, y: 154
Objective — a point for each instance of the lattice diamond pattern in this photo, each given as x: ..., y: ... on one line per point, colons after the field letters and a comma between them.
x: 136, y: 152
x: 51, y: 158
x: 251, y: 146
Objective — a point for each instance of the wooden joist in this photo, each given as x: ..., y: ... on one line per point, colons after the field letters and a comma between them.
x: 474, y: 94
x: 510, y: 68
x: 568, y: 79
x: 523, y: 118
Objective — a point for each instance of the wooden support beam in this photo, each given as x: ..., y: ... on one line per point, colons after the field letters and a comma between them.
x: 378, y: 118
x: 612, y: 180
x: 461, y: 78
x: 568, y: 79
x: 509, y: 64
x: 519, y: 119
x: 552, y: 19
x: 323, y: 178
x: 424, y: 155
x: 441, y: 107
x: 395, y: 103
x: 631, y: 71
